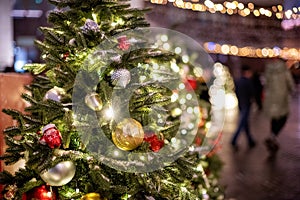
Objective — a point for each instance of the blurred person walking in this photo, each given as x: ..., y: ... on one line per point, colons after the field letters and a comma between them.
x: 279, y: 85
x: 245, y: 94
x: 258, y: 90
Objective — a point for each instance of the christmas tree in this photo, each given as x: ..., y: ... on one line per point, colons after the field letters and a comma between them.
x: 113, y: 113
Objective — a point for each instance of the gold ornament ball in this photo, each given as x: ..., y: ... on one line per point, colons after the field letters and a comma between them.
x: 93, y: 101
x: 91, y: 196
x: 128, y: 134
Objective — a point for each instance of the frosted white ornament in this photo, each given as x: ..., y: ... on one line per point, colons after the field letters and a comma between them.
x: 60, y: 174
x: 54, y: 94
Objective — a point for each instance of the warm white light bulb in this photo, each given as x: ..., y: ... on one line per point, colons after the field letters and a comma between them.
x: 109, y: 113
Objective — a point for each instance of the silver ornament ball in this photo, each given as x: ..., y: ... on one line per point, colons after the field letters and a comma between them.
x: 55, y: 94
x: 60, y: 174
x: 121, y: 77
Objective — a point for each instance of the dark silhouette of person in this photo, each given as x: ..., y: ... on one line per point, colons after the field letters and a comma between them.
x: 258, y: 89
x: 245, y: 93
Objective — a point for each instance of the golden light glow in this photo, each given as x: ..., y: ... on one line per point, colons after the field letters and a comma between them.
x: 258, y: 53
x: 219, y: 7
x: 265, y: 52
x: 241, y: 6
x: 251, y: 6
x: 234, y: 50
x: 229, y: 11
x: 247, y: 11
x: 256, y: 13
x: 225, y: 49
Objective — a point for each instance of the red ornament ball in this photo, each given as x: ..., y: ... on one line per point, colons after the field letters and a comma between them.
x: 123, y: 43
x: 155, y: 143
x: 191, y: 84
x: 51, y: 136
x: 42, y: 192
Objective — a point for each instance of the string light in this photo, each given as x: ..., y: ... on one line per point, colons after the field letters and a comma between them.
x: 266, y: 52
x: 233, y: 7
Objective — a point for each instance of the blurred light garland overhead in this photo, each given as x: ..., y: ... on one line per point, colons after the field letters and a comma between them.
x: 252, y: 52
x: 262, y: 37
x: 234, y: 7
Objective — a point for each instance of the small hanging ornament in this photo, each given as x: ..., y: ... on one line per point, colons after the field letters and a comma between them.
x: 55, y: 94
x: 155, y: 143
x: 90, y: 26
x: 51, y: 136
x: 93, y: 101
x: 60, y: 174
x: 128, y: 134
x: 43, y: 192
x: 10, y: 192
x: 116, y: 59
x: 91, y: 196
x: 121, y: 77
x: 191, y: 84
x: 124, y: 44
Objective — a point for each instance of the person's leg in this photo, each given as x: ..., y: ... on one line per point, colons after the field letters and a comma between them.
x: 277, y: 124
x: 241, y: 125
x: 251, y: 142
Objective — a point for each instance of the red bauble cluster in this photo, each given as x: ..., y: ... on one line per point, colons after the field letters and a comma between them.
x: 123, y: 43
x: 66, y: 55
x: 42, y: 192
x: 155, y: 143
x: 51, y: 136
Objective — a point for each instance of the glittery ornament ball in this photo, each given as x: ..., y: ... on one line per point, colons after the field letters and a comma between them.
x: 123, y: 43
x: 155, y: 143
x: 51, y: 136
x: 128, y: 134
x: 90, y: 25
x: 121, y: 77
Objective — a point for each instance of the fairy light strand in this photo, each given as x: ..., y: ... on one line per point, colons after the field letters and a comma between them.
x: 234, y: 7
x: 252, y: 52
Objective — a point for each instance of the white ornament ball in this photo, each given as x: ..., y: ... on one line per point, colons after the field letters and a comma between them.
x: 72, y: 42
x: 121, y: 77
x: 60, y: 174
